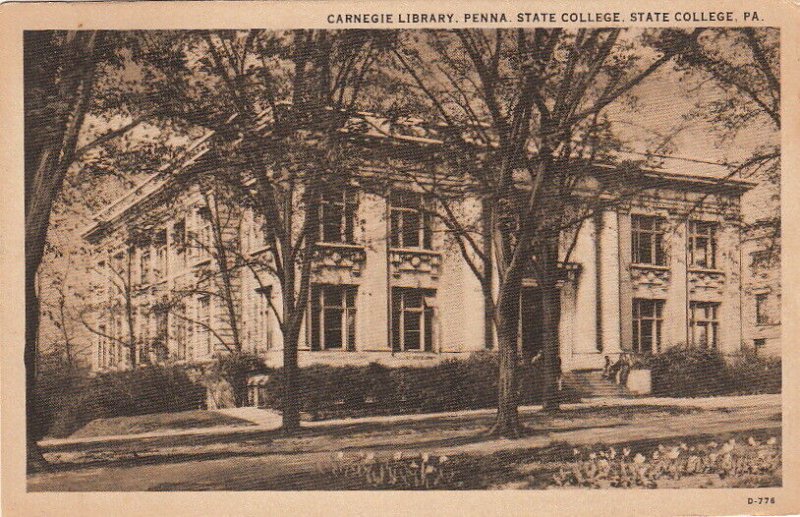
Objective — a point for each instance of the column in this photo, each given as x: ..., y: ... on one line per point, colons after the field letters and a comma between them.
x: 625, y: 284
x: 609, y: 282
x: 676, y: 307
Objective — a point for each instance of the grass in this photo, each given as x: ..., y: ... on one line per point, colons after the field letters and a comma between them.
x: 252, y: 458
x: 156, y: 422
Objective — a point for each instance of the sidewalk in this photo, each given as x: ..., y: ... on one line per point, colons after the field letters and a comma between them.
x: 270, y: 420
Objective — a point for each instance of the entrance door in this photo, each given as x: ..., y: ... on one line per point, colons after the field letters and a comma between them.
x: 530, y: 323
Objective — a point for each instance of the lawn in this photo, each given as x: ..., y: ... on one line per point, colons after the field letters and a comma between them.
x: 124, y: 425
x: 318, y: 458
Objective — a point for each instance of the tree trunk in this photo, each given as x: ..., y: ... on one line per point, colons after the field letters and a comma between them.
x: 507, y: 423
x: 291, y: 337
x: 291, y: 399
x: 488, y: 275
x: 33, y: 427
x: 551, y: 316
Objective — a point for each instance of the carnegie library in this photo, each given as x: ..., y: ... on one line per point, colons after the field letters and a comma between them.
x: 670, y: 265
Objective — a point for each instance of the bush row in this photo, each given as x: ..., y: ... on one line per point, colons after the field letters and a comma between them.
x: 68, y: 400
x: 683, y: 371
x: 337, y: 391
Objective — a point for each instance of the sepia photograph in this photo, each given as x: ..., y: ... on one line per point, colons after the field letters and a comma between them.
x: 443, y: 258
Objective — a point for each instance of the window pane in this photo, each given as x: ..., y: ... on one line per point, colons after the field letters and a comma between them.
x: 645, y: 249
x: 646, y: 343
x: 332, y: 222
x: 316, y: 321
x: 429, y: 329
x: 395, y: 228
x: 411, y: 226
x: 351, y: 329
x: 349, y: 221
x: 427, y: 231
x: 333, y: 328
x: 413, y: 299
x: 411, y: 330
x: 333, y: 296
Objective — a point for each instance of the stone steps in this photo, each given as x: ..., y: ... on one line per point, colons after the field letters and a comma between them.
x: 591, y: 384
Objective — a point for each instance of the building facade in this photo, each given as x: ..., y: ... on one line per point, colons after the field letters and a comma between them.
x: 388, y: 286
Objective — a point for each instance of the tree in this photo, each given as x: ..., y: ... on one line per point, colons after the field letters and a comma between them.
x: 527, y: 108
x: 70, y: 77
x: 276, y: 103
x: 59, y: 72
x: 744, y: 64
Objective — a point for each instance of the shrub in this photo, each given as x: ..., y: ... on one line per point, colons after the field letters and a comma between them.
x: 683, y: 371
x: 151, y: 389
x: 234, y: 368
x: 337, y: 391
x: 56, y: 378
x: 751, y: 373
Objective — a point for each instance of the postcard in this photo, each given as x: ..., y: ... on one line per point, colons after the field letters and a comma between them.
x: 368, y: 258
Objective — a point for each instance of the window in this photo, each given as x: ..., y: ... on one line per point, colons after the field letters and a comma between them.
x: 144, y: 336
x: 159, y: 346
x: 204, y: 323
x: 411, y: 223
x: 703, y: 324
x: 144, y: 267
x: 412, y: 319
x: 201, y: 239
x: 337, y: 216
x: 759, y: 342
x: 180, y: 333
x: 647, y: 240
x: 761, y: 259
x: 703, y: 244
x: 118, y: 264
x: 647, y: 322
x: 333, y: 317
x: 261, y: 335
x: 179, y: 242
x: 762, y: 316
x: 101, y: 347
x: 160, y: 267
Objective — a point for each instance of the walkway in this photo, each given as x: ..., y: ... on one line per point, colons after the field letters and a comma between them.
x: 270, y: 420
x: 257, y: 457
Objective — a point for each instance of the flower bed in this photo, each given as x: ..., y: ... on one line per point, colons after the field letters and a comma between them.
x: 674, y: 466
x: 741, y: 460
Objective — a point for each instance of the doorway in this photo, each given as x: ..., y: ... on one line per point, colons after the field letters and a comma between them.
x: 530, y: 323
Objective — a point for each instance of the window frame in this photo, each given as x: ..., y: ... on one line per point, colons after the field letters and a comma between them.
x: 703, y: 230
x: 425, y: 313
x: 762, y: 314
x: 655, y: 317
x: 144, y: 266
x: 655, y: 234
x: 160, y: 264
x: 347, y: 315
x: 403, y: 205
x: 101, y: 347
x: 204, y: 302
x: 709, y: 323
x: 262, y: 313
x: 345, y: 201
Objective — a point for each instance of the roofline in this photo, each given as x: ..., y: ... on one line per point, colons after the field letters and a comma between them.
x: 107, y: 215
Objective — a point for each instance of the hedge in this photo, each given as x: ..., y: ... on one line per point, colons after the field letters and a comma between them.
x: 683, y: 371
x: 65, y: 407
x: 341, y: 391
